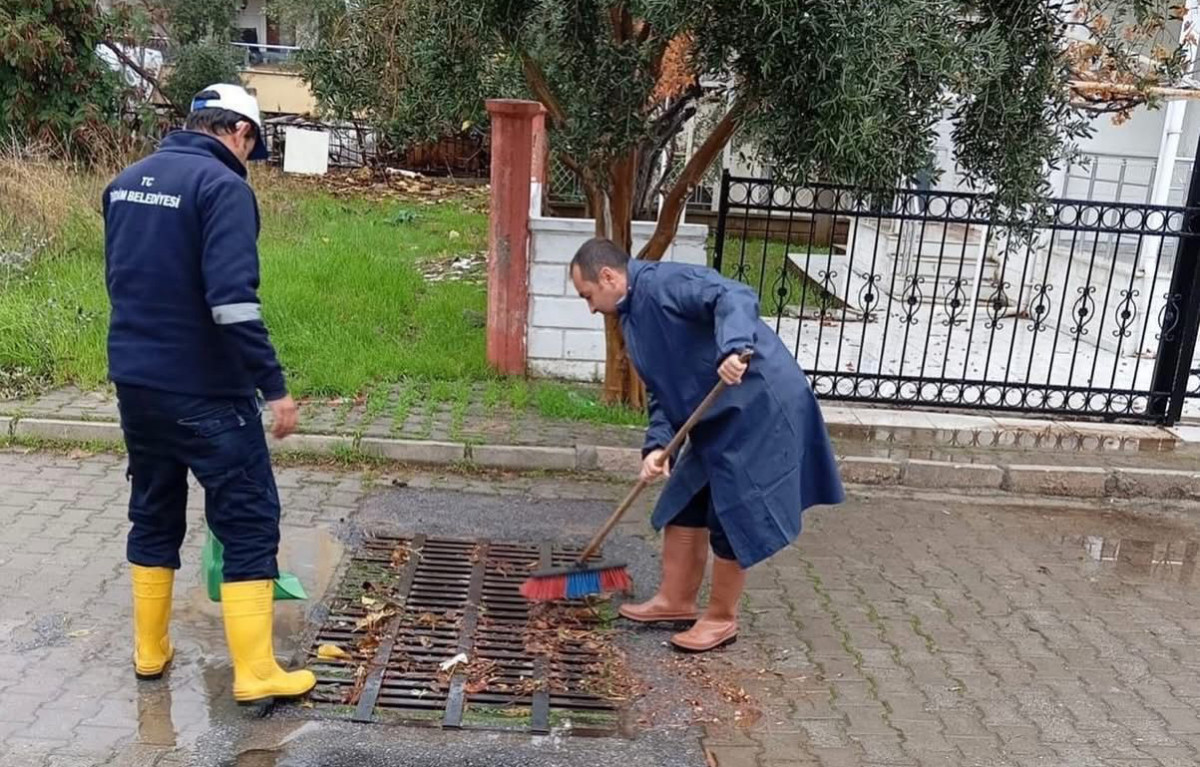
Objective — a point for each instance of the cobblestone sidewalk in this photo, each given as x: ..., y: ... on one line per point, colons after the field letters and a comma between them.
x: 922, y: 631
x: 455, y: 414
x: 903, y: 629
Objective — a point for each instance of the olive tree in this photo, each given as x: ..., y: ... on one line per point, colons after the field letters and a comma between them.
x: 848, y: 91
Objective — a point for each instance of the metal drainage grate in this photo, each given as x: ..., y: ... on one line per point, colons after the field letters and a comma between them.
x: 406, y: 606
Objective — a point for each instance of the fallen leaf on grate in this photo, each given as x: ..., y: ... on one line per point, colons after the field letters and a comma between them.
x: 332, y: 651
x: 427, y: 619
x: 476, y: 686
x: 367, y: 644
x: 360, y: 681
x: 373, y: 619
x: 400, y: 556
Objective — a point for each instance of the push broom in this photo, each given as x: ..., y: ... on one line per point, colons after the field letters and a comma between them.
x: 585, y: 578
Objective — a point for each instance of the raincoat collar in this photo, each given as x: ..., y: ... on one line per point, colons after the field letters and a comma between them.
x: 632, y: 271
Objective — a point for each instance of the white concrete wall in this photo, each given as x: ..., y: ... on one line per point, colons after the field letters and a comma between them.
x: 564, y: 339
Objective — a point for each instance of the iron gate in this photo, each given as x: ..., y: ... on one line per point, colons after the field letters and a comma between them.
x: 925, y: 300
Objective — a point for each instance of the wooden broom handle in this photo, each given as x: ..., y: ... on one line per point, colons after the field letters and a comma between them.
x: 665, y: 456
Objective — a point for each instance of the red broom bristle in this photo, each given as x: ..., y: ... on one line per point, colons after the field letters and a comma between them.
x: 544, y: 589
x: 615, y: 579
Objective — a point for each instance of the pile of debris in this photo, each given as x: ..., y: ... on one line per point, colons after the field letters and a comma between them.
x: 471, y: 268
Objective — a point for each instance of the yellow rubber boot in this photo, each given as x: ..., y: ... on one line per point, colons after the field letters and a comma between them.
x: 249, y: 616
x: 152, y: 650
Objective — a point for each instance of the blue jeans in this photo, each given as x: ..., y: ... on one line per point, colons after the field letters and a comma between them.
x: 221, y: 441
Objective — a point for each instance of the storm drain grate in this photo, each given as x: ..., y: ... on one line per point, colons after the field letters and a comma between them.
x: 407, y: 606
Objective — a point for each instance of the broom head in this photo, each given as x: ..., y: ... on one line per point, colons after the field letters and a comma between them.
x: 577, y: 582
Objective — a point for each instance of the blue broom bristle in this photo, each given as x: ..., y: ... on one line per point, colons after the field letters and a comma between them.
x: 582, y: 584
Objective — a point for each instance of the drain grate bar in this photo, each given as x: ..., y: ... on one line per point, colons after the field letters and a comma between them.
x: 370, y: 693
x: 466, y: 639
x: 540, y: 711
x: 456, y: 596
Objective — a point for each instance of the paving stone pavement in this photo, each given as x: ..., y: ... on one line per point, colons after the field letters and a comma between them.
x: 903, y: 629
x: 928, y: 631
x: 403, y: 411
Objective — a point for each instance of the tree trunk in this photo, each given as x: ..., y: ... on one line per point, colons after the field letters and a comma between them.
x: 615, y: 221
x: 693, y: 172
x: 621, y: 383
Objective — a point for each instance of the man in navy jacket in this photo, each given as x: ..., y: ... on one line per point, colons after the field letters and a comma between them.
x: 190, y: 355
x: 753, y: 463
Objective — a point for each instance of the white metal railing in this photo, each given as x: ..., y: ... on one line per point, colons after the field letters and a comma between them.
x: 250, y: 54
x: 1096, y: 176
x: 1115, y: 177
x: 255, y: 54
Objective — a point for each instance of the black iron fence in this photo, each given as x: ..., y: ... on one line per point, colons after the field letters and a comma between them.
x: 925, y: 300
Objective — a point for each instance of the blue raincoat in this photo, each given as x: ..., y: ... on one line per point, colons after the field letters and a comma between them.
x: 762, y: 448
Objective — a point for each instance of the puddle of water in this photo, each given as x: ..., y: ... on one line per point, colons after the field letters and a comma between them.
x: 196, y: 694
x: 265, y: 749
x: 1168, y: 561
x: 312, y: 554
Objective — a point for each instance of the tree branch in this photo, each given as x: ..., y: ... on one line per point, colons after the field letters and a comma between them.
x: 670, y: 163
x: 681, y: 103
x: 541, y: 88
x: 693, y: 172
x: 591, y: 192
x: 1098, y: 88
x: 571, y: 164
x: 662, y: 137
x: 142, y: 73
x: 644, y: 33
x: 622, y: 23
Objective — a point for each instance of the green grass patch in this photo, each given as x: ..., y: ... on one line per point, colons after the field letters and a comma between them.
x: 578, y: 404
x: 516, y: 717
x: 460, y: 400
x: 762, y: 265
x: 347, y: 303
x: 518, y: 395
x: 493, y: 393
x: 342, y: 288
x: 410, y: 393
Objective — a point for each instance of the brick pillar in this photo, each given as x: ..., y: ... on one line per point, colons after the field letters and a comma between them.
x: 539, y: 174
x: 508, y: 243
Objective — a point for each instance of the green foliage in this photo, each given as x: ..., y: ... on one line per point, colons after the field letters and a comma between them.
x: 53, y: 88
x: 193, y: 21
x: 842, y: 90
x: 198, y: 65
x: 202, y: 29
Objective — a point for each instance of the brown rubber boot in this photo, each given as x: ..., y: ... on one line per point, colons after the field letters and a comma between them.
x: 718, y: 626
x: 684, y: 554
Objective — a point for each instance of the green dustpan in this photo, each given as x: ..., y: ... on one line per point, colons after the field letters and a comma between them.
x: 287, y: 586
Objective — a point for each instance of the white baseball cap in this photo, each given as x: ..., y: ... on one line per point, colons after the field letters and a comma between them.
x: 236, y: 99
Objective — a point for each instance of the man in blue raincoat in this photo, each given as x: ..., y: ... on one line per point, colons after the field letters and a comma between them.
x: 758, y: 458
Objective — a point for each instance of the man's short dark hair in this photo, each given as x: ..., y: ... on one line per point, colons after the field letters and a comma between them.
x: 214, y: 120
x: 597, y: 253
